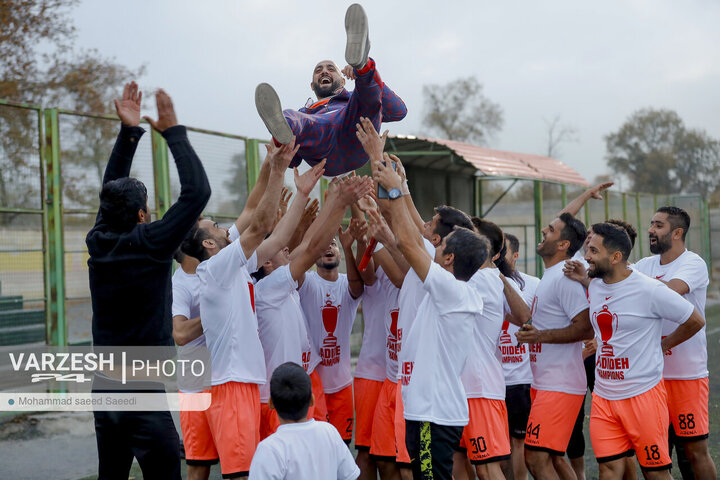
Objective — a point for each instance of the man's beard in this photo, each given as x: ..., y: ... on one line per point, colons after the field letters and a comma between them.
x: 323, y: 91
x: 328, y: 265
x: 600, y: 271
x: 547, y: 249
x: 662, y: 244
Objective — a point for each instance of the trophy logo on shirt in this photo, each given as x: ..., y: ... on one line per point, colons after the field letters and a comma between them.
x: 504, y: 336
x: 607, y: 323
x: 392, y: 339
x: 330, y: 351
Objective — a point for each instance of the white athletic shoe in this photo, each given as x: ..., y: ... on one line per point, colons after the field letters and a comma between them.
x: 268, y: 106
x: 357, y: 47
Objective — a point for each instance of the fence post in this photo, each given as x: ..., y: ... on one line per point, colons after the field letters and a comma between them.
x: 56, y: 332
x: 706, y: 243
x: 252, y: 161
x: 563, y: 195
x: 538, y: 200
x: 639, y: 221
x: 478, y: 196
x: 606, y: 200
x: 624, y: 206
x: 161, y: 173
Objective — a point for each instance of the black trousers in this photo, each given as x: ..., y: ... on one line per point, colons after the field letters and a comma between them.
x: 431, y: 448
x: 150, y: 437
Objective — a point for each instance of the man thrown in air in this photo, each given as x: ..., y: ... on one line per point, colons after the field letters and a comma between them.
x: 326, y: 128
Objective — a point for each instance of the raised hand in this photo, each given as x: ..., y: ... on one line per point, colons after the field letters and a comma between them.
x: 166, y: 112
x: 372, y: 143
x: 379, y: 229
x: 367, y: 203
x: 306, y: 182
x: 345, y: 236
x: 352, y: 189
x: 348, y: 72
x: 280, y: 157
x: 128, y: 108
x: 386, y: 176
x: 596, y: 189
x: 285, y: 195
x: 358, y: 230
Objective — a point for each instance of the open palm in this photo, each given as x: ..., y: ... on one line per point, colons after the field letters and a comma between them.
x: 128, y: 108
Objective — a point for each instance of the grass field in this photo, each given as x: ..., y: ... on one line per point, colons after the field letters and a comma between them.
x: 713, y: 332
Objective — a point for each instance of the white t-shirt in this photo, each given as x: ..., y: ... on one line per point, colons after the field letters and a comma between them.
x: 303, y: 451
x: 558, y: 367
x: 233, y: 232
x: 528, y: 290
x: 228, y: 315
x: 377, y: 317
x: 687, y: 361
x: 516, y: 358
x: 186, y: 299
x: 435, y: 349
x: 627, y: 317
x: 330, y: 312
x: 283, y: 332
x: 483, y: 375
x: 410, y: 297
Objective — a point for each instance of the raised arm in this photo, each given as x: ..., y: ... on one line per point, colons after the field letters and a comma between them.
x: 359, y: 231
x: 264, y: 216
x: 380, y: 230
x: 355, y: 281
x: 242, y: 222
x: 407, y: 196
x: 593, y: 192
x: 185, y: 329
x: 167, y: 234
x: 408, y: 237
x: 340, y: 195
x: 288, y: 223
x: 307, y: 218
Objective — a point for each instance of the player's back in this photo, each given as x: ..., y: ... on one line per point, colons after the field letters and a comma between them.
x: 306, y: 450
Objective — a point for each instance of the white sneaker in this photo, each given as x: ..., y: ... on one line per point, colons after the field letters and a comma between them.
x: 357, y: 47
x: 268, y: 106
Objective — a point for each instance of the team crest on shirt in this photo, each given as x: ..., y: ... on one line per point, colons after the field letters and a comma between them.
x: 330, y: 351
x: 607, y: 324
x: 392, y: 338
x: 510, y: 353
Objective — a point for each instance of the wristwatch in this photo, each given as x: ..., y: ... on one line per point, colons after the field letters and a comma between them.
x: 394, y: 193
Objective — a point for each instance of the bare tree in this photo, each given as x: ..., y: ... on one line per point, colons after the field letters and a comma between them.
x: 459, y: 111
x: 558, y: 134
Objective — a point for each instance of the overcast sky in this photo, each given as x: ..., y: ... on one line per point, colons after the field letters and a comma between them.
x: 592, y: 63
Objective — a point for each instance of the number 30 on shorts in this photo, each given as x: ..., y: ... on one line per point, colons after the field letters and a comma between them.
x: 478, y: 444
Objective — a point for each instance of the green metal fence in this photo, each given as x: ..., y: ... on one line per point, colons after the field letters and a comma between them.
x: 51, y: 167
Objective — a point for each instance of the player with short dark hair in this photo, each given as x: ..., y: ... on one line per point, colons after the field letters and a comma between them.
x: 301, y: 448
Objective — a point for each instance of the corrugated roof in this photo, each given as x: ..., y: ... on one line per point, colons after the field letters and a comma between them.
x: 483, y: 160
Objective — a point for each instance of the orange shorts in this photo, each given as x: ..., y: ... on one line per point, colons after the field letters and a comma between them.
x: 688, y: 406
x: 366, y: 394
x: 382, y: 446
x: 197, y: 438
x: 640, y: 423
x: 487, y: 434
x: 552, y: 419
x: 234, y: 419
x: 269, y: 421
x: 319, y: 410
x: 340, y: 411
x: 402, y: 456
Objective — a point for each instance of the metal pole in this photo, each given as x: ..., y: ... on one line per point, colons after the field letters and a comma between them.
x: 56, y: 329
x: 538, y: 201
x: 252, y: 161
x: 45, y: 228
x: 478, y: 197
x: 161, y: 171
x: 707, y: 244
x: 606, y: 200
x: 624, y: 206
x: 639, y: 222
x: 563, y: 195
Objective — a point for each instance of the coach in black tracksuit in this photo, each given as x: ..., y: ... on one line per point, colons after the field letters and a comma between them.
x: 130, y: 270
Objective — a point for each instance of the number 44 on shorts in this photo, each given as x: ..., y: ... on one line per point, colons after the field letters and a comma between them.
x: 533, y: 431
